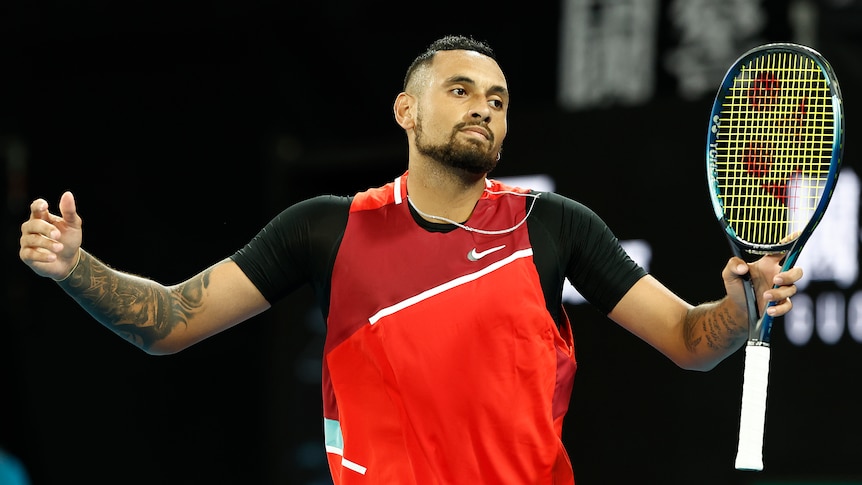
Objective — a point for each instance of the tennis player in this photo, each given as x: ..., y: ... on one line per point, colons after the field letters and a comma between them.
x: 449, y: 358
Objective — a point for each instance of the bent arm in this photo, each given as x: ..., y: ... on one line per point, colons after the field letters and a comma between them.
x: 699, y: 337
x: 163, y: 319
x: 693, y: 337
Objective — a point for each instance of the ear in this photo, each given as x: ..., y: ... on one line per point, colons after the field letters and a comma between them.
x: 404, y: 110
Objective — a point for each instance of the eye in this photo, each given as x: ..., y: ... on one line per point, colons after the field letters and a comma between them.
x: 459, y: 92
x: 496, y: 103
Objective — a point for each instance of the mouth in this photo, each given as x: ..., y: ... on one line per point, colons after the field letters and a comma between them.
x: 477, y: 132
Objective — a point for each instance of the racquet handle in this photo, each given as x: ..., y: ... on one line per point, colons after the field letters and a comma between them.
x: 749, y: 455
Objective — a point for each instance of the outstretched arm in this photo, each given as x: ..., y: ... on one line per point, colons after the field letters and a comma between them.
x: 158, y: 319
x: 699, y: 337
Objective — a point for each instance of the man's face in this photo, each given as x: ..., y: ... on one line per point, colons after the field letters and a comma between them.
x: 461, y: 115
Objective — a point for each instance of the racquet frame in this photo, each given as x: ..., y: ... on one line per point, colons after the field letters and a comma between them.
x: 773, y: 153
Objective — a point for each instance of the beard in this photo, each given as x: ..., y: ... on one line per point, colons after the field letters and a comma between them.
x: 463, y: 155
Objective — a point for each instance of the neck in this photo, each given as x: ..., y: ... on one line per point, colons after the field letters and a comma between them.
x: 444, y: 192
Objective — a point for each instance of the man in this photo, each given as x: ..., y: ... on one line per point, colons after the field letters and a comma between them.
x: 449, y: 358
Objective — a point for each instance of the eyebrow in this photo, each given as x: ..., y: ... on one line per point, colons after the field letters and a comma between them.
x: 495, y: 89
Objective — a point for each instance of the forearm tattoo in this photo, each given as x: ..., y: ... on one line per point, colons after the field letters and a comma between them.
x: 714, y: 326
x: 139, y: 310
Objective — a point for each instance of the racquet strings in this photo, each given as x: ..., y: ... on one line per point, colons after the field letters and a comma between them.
x: 774, y: 147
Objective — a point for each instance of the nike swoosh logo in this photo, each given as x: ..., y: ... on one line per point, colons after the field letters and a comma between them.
x: 474, y: 255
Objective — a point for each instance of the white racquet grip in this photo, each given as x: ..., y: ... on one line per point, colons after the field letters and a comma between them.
x: 749, y: 455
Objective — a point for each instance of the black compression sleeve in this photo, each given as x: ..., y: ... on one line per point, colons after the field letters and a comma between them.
x: 298, y: 246
x: 571, y: 241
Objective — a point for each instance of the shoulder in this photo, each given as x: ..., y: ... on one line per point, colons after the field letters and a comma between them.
x: 555, y: 207
x: 377, y: 197
x: 315, y: 208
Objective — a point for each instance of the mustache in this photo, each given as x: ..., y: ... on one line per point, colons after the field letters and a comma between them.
x: 482, y: 124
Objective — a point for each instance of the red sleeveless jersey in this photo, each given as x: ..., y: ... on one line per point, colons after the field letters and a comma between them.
x: 442, y: 364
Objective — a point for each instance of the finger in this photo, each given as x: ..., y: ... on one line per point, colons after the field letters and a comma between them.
x: 788, y: 277
x: 37, y: 249
x: 737, y: 266
x: 39, y: 209
x: 68, y: 209
x: 779, y: 293
x: 775, y: 258
x: 39, y: 224
x: 780, y: 307
x: 790, y: 237
x: 39, y: 242
x: 32, y: 254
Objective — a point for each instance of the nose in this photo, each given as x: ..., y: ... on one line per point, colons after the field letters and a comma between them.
x: 481, y: 111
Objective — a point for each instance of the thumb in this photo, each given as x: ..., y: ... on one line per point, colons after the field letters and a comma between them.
x: 68, y: 210
x: 736, y: 268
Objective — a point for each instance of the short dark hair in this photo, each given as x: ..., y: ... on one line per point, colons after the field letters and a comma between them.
x: 448, y: 43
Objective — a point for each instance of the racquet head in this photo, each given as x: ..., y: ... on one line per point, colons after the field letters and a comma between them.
x: 774, y: 148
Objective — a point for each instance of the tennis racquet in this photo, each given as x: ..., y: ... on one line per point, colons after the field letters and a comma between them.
x: 774, y: 147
